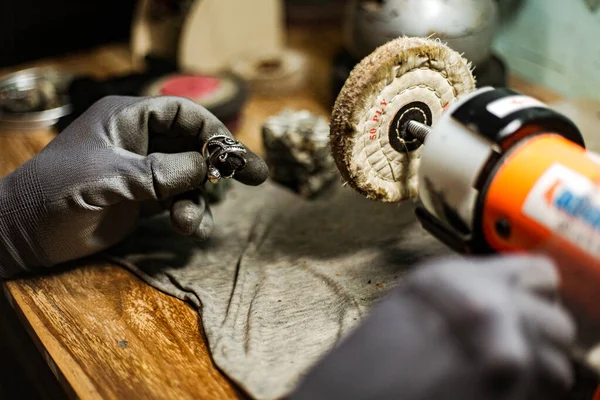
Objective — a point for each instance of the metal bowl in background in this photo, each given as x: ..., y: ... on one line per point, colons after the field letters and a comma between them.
x: 34, y: 98
x: 467, y: 26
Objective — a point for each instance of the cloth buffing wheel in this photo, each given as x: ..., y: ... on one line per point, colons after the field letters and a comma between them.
x: 407, y: 78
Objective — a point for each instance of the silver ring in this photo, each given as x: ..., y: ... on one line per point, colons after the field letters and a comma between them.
x: 220, y: 147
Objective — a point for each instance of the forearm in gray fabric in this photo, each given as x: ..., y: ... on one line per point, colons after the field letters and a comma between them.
x: 399, y: 351
x: 21, y: 205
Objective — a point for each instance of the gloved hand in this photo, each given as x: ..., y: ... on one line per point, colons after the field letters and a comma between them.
x: 464, y: 329
x: 89, y: 187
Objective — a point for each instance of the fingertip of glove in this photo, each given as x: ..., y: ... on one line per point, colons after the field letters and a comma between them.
x: 186, y: 217
x: 538, y: 265
x: 512, y: 262
x: 202, y: 233
x: 255, y: 173
x: 537, y: 258
x: 205, y: 228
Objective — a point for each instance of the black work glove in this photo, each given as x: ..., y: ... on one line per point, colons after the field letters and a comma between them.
x: 89, y: 187
x: 457, y: 329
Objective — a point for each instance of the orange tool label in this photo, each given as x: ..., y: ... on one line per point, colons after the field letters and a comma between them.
x: 547, y: 191
x: 568, y: 204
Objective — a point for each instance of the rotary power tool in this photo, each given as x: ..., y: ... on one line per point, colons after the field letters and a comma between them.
x: 502, y: 172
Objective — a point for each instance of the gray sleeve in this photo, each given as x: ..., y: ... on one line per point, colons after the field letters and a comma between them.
x: 401, y: 351
x: 456, y: 329
x: 17, y: 206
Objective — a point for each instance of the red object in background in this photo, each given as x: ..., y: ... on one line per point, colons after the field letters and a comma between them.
x: 191, y: 86
x: 222, y: 95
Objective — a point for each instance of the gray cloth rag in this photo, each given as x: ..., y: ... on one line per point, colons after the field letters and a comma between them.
x: 282, y: 279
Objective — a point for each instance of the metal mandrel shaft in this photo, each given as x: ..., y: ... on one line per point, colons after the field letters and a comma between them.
x: 418, y: 130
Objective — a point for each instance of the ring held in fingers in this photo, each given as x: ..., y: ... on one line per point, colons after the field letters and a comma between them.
x: 218, y: 149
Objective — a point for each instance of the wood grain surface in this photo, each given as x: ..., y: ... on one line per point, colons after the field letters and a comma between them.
x: 105, y: 333
x: 109, y: 336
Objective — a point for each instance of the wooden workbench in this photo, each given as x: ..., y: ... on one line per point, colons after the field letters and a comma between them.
x: 103, y: 332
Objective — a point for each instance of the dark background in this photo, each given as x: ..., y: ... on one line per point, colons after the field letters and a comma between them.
x: 32, y: 29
